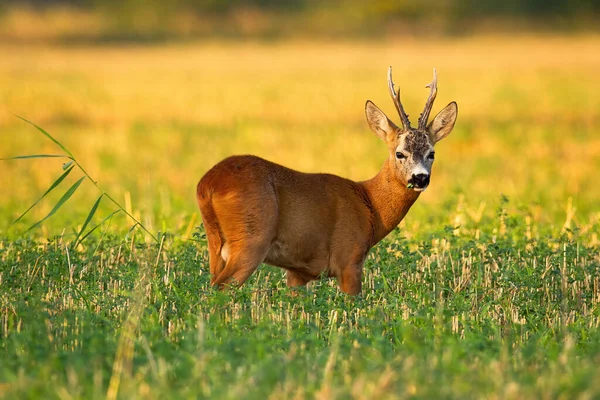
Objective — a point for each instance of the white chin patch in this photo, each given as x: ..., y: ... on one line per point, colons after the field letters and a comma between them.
x: 416, y: 189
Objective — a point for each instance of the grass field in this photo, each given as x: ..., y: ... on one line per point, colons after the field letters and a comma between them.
x: 489, y: 288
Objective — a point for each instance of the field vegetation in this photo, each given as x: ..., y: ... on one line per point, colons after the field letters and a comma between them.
x: 489, y: 288
x: 110, y: 21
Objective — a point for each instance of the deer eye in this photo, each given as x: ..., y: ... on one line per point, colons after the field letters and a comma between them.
x: 400, y: 156
x: 431, y: 155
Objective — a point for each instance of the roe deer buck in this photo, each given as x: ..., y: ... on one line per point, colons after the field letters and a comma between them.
x: 257, y: 211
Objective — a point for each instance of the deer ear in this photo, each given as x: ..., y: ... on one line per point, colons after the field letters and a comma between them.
x: 379, y: 122
x: 443, y: 123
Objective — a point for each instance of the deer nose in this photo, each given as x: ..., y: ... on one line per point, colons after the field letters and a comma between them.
x: 420, y: 180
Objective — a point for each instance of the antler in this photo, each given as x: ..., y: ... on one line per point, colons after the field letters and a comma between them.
x: 396, y: 97
x: 425, y: 115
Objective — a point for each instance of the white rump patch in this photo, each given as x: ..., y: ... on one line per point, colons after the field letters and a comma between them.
x: 225, y: 252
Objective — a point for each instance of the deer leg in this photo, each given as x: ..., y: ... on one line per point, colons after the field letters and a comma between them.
x: 241, y: 262
x: 350, y: 279
x: 215, y: 261
x: 248, y: 222
x: 295, y: 279
x: 216, y: 264
x: 348, y: 267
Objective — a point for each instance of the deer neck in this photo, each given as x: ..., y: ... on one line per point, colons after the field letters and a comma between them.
x: 390, y: 200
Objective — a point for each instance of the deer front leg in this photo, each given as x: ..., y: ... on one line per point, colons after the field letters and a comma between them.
x: 347, y: 266
x: 350, y: 279
x: 296, y: 279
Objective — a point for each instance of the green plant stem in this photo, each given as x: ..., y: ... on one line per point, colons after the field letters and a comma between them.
x: 109, y: 197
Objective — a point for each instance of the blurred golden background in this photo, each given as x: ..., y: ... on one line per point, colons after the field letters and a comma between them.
x: 148, y: 95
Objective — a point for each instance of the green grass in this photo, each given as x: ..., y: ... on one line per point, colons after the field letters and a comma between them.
x: 490, y: 288
x: 468, y: 314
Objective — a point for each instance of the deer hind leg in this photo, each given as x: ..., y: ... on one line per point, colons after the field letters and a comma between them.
x: 242, y: 261
x: 215, y: 260
x: 213, y: 237
x: 248, y: 224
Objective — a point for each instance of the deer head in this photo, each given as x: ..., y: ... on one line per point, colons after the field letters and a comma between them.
x: 412, y: 149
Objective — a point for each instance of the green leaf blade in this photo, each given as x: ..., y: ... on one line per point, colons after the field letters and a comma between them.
x: 54, y: 185
x: 99, y: 225
x: 58, y: 205
x: 34, y: 156
x: 89, y: 218
x: 131, y: 229
x: 49, y: 136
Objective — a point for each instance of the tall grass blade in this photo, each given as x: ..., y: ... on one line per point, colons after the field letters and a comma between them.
x: 131, y: 229
x: 49, y: 136
x: 34, y: 156
x: 62, y: 201
x: 99, y: 225
x: 89, y: 218
x: 68, y: 166
x: 55, y: 184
